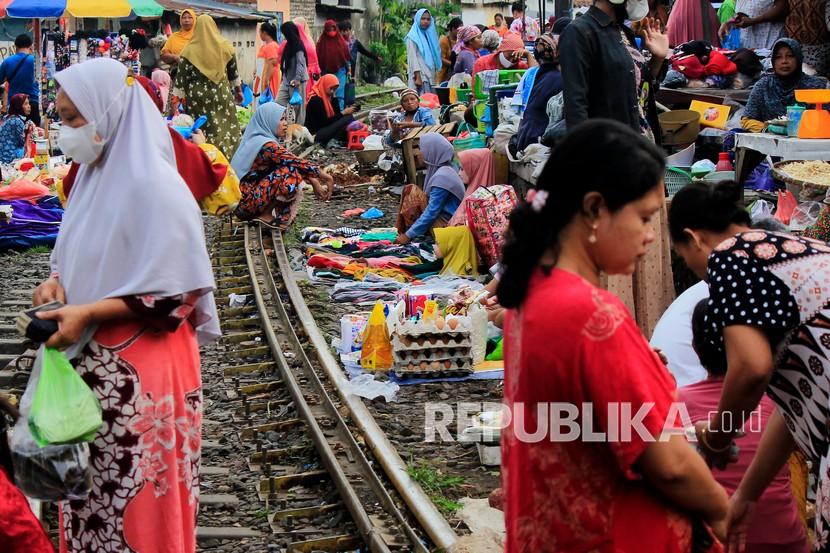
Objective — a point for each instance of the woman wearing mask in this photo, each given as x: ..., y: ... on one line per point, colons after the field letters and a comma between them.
x: 134, y: 331
x: 545, y: 82
x: 774, y: 92
x: 423, y: 53
x: 324, y: 119
x: 511, y: 54
x: 271, y: 177
x: 443, y: 191
x: 207, y: 73
x: 638, y: 491
x: 16, y: 130
x: 334, y: 56
x: 467, y: 47
x: 294, y: 68
x: 768, y: 313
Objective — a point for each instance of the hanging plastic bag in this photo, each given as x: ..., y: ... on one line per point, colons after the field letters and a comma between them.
x: 786, y: 205
x: 377, y: 348
x: 266, y: 96
x: 296, y: 99
x: 64, y: 408
x: 349, y: 92
x: 761, y: 179
x: 51, y: 473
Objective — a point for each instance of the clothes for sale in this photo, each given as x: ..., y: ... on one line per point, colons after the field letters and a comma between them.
x: 33, y: 224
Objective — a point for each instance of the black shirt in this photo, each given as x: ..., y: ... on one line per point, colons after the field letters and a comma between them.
x: 315, y: 114
x: 598, y: 73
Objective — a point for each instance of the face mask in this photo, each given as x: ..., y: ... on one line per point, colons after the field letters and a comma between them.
x: 331, y: 33
x: 504, y: 61
x: 80, y: 143
x: 637, y: 9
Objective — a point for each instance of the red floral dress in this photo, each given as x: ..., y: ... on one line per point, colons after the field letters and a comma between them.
x: 145, y: 459
x: 576, y: 344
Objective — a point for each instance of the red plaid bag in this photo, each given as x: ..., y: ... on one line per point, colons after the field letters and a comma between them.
x: 488, y: 214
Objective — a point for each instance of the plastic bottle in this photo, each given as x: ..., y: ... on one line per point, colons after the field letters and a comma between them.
x: 723, y: 162
x: 377, y: 348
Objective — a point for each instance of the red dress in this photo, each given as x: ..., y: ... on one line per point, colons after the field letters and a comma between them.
x: 574, y: 343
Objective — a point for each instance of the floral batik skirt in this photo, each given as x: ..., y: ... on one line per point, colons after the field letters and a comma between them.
x: 145, y: 459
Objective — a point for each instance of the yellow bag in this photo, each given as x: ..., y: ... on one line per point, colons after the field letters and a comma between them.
x: 225, y: 198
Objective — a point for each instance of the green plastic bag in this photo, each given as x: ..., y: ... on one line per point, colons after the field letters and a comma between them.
x: 64, y: 409
x: 498, y: 353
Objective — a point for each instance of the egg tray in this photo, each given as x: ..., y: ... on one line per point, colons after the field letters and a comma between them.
x: 438, y: 354
x: 458, y: 369
x: 409, y: 328
x: 424, y: 341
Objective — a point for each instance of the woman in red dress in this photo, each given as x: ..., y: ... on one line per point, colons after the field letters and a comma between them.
x: 574, y: 353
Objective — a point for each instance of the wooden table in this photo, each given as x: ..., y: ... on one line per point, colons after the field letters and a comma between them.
x: 411, y: 146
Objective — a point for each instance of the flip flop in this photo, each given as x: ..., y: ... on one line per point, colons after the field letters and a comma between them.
x: 267, y: 224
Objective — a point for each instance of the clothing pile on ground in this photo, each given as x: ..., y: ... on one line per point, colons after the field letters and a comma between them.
x: 30, y: 210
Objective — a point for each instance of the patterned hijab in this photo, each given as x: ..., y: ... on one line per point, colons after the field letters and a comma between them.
x: 546, y: 49
x: 465, y: 35
x: 208, y: 51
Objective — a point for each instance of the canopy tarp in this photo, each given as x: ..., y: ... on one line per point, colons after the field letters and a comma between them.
x: 32, y: 9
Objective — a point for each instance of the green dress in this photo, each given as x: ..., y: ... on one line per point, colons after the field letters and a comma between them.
x: 204, y: 97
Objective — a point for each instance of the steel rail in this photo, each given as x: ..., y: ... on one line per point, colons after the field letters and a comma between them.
x: 421, y: 506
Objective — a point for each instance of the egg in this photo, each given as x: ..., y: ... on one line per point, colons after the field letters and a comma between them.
x: 411, y: 367
x: 447, y: 364
x: 424, y: 365
x: 452, y: 323
x: 436, y: 365
x: 439, y: 323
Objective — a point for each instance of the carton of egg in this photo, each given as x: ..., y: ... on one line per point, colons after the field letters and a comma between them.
x: 440, y: 347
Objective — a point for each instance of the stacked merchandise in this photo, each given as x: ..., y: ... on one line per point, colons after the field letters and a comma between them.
x: 433, y: 347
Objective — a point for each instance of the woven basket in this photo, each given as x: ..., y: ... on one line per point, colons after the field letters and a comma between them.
x: 801, y: 189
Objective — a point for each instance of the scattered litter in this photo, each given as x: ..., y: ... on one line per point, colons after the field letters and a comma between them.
x: 366, y: 386
x: 394, y: 82
x: 353, y: 212
x: 372, y: 190
x: 372, y: 213
x: 237, y: 300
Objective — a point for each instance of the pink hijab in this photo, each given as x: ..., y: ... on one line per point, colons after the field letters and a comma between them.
x: 480, y: 169
x: 162, y: 80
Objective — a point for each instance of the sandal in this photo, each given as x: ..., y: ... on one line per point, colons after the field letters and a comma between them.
x: 267, y: 224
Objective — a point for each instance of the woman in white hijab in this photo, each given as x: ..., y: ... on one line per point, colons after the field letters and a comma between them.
x: 131, y: 265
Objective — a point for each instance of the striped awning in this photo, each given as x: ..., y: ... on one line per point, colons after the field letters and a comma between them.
x: 30, y: 9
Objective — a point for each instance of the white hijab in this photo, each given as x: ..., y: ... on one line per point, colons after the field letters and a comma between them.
x: 131, y: 226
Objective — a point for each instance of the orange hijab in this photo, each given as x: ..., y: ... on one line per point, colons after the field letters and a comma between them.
x: 321, y: 89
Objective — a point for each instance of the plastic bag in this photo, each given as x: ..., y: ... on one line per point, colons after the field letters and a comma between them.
x: 296, y: 99
x: 805, y: 215
x: 51, y: 473
x: 761, y: 178
x: 761, y: 209
x: 64, y: 408
x: 786, y: 205
x: 366, y: 386
x: 377, y: 348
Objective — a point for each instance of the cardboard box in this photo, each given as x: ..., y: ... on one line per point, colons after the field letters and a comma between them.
x: 711, y: 115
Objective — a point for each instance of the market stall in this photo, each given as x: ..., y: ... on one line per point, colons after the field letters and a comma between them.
x: 752, y: 148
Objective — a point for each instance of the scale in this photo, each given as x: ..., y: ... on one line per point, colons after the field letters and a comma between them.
x: 815, y: 123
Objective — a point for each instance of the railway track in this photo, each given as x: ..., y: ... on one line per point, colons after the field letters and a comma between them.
x: 331, y: 465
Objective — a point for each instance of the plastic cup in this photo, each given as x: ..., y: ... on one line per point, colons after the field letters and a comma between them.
x: 794, y: 114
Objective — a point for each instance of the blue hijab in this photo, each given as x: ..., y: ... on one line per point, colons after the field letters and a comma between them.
x: 261, y: 130
x: 426, y: 40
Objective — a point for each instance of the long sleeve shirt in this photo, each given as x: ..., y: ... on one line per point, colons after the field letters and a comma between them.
x: 442, y: 203
x: 356, y: 47
x: 296, y: 69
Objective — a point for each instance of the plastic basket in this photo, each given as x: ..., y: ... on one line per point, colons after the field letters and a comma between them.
x: 676, y: 178
x: 462, y: 95
x: 506, y: 76
x: 469, y: 143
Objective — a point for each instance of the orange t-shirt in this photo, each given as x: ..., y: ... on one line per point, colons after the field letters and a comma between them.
x: 270, y: 51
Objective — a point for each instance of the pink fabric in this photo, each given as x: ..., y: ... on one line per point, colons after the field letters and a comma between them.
x: 686, y: 22
x: 24, y: 190
x: 162, y: 80
x: 776, y: 518
x: 480, y: 169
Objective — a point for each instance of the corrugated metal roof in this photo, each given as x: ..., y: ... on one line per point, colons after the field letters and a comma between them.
x: 215, y: 9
